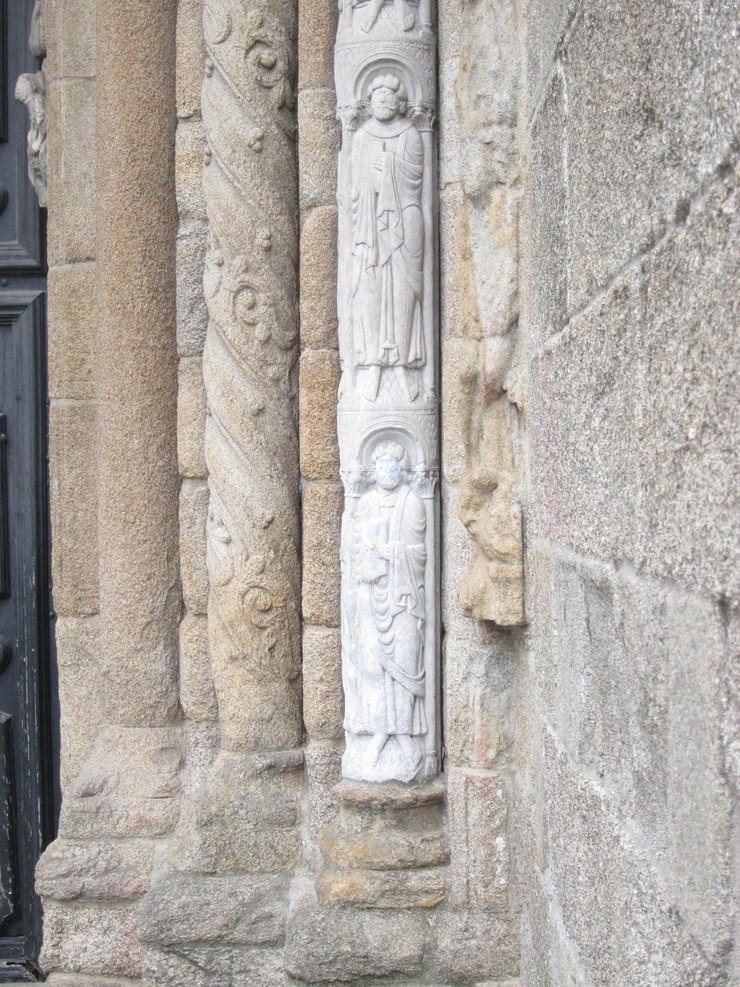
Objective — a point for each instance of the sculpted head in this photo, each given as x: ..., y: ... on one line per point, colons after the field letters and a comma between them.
x: 387, y: 97
x: 391, y: 463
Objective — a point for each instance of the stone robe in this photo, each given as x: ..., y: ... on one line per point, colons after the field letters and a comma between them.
x: 387, y: 245
x: 386, y: 691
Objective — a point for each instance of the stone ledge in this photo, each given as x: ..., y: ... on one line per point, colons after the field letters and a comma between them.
x: 391, y: 795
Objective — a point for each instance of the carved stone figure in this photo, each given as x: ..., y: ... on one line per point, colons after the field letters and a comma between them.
x: 388, y: 409
x: 385, y: 677
x: 387, y: 238
x: 30, y: 89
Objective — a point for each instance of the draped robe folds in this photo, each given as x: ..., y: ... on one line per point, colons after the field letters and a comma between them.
x: 388, y: 690
x: 387, y: 244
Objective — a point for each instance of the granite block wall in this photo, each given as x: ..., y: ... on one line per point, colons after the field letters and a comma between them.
x: 627, y: 723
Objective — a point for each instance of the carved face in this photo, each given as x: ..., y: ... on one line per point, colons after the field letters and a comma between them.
x: 384, y: 103
x: 387, y: 472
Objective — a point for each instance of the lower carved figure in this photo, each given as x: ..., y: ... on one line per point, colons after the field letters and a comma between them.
x: 384, y: 674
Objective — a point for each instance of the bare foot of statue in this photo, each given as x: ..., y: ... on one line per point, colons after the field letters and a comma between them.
x: 375, y: 9
x: 372, y: 383
x: 409, y: 382
x: 404, y: 15
x: 411, y: 752
x: 379, y: 742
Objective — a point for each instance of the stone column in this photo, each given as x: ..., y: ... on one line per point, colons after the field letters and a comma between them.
x: 250, y: 371
x: 137, y: 359
x: 240, y: 833
x: 385, y: 70
x: 125, y: 798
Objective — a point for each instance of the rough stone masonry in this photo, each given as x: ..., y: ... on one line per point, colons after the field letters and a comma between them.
x: 581, y: 825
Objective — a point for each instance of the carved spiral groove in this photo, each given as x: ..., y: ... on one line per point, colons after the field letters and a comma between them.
x: 250, y: 371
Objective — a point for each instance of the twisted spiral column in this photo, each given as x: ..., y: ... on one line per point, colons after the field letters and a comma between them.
x: 250, y: 370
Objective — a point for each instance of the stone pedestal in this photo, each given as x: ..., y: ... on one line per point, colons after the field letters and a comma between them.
x: 387, y: 848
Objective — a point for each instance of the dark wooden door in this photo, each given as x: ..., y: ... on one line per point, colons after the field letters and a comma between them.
x: 27, y: 685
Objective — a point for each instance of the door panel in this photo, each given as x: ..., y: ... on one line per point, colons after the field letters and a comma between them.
x: 21, y: 220
x: 26, y: 766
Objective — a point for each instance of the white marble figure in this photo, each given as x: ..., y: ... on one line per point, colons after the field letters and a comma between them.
x: 387, y: 241
x: 385, y: 686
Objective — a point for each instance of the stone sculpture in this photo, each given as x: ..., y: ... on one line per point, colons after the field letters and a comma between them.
x: 30, y: 89
x: 388, y: 406
x: 384, y: 673
x: 387, y: 238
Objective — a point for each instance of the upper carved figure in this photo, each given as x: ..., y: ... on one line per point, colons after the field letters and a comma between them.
x: 387, y: 241
x: 404, y: 14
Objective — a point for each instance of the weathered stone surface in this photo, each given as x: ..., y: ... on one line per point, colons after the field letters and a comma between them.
x: 71, y: 331
x: 479, y: 838
x: 692, y: 418
x: 460, y: 377
x: 74, y: 508
x: 182, y: 909
x: 137, y: 361
x: 190, y: 144
x: 129, y: 786
x: 191, y: 56
x: 699, y: 800
x: 400, y: 889
x: 72, y: 186
x: 323, y: 699
x: 80, y: 684
x: 470, y: 946
x: 214, y: 966
x: 603, y: 880
x: 322, y: 519
x: 83, y: 980
x: 479, y: 701
x: 585, y: 412
x: 94, y: 939
x: 318, y: 280
x: 493, y: 586
x: 544, y: 248
x: 636, y: 131
x: 193, y: 570
x: 104, y: 870
x: 628, y: 428
x: 317, y: 25
x: 457, y: 309
x: 244, y: 817
x: 70, y: 38
x: 323, y: 773
x: 547, y: 25
x: 191, y: 418
x: 345, y: 944
x: 318, y: 134
x: 197, y: 695
x: 383, y: 847
x: 192, y: 314
x: 318, y: 414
